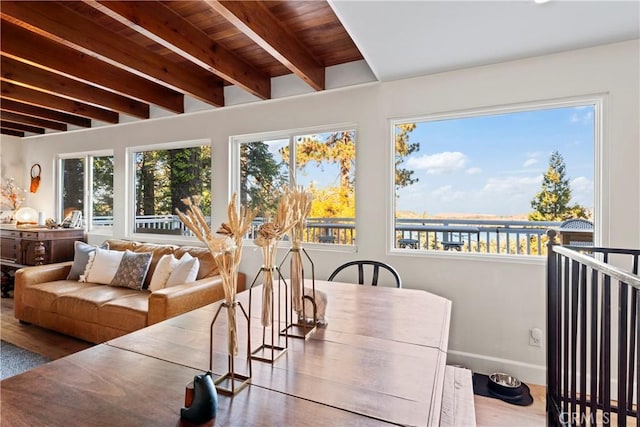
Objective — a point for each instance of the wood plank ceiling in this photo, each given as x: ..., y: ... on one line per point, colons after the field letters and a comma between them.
x: 67, y: 64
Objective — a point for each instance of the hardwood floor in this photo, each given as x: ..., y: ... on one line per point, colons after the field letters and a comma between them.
x: 489, y: 412
x: 39, y: 340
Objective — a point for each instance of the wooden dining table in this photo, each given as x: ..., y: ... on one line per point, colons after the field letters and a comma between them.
x: 379, y: 360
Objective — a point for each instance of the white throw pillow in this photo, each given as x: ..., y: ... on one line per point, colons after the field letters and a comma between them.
x: 185, y: 272
x: 165, y: 266
x: 104, y: 267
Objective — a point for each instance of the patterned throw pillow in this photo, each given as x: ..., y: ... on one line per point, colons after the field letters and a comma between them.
x: 132, y: 270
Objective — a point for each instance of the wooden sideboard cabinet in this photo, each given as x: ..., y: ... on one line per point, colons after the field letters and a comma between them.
x: 21, y: 247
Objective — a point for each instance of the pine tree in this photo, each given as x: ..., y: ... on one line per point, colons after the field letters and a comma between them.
x: 261, y: 177
x: 404, y: 177
x: 551, y: 203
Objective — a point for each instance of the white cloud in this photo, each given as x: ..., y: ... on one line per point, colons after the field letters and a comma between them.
x: 512, y: 185
x: 445, y: 162
x: 529, y: 162
x: 582, y: 116
x: 582, y: 184
x: 473, y: 171
x: 447, y: 194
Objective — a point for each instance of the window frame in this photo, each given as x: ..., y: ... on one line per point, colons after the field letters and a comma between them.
x: 599, y: 101
x: 87, y: 213
x: 235, y: 142
x: 130, y: 190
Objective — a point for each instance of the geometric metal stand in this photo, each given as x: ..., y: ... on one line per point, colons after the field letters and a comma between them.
x: 231, y: 382
x: 302, y: 328
x: 268, y: 351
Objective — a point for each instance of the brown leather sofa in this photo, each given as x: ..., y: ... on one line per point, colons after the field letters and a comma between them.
x: 96, y: 313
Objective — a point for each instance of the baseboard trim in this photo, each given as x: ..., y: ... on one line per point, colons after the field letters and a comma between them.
x: 526, y: 372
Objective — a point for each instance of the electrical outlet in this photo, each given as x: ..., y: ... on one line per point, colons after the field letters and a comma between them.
x: 535, y: 337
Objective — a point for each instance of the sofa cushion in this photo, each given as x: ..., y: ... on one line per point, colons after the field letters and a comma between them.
x: 185, y: 271
x: 80, y: 258
x: 163, y: 270
x: 208, y: 266
x: 84, y: 303
x: 128, y: 313
x: 43, y: 295
x: 132, y: 270
x: 157, y: 250
x: 104, y: 267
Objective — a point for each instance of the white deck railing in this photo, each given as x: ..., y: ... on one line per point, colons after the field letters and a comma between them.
x: 480, y: 236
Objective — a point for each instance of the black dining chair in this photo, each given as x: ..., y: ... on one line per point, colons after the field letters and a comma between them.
x: 377, y: 265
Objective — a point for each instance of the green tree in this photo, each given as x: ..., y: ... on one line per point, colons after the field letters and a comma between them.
x: 103, y: 186
x: 337, y: 147
x: 261, y: 177
x: 73, y: 187
x: 404, y: 177
x: 190, y: 175
x: 551, y: 203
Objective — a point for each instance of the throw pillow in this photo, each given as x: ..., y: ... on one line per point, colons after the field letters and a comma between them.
x: 80, y: 258
x: 185, y: 272
x: 132, y: 270
x: 104, y: 267
x: 83, y: 276
x: 164, y: 267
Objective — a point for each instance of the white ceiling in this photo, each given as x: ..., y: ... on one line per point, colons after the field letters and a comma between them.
x: 400, y: 39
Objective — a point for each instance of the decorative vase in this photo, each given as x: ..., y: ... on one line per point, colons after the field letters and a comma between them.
x: 272, y: 346
x: 226, y: 252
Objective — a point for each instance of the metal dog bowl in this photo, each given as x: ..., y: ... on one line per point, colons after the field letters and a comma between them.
x: 505, y: 384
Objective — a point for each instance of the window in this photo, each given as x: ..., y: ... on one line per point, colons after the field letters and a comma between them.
x: 322, y: 161
x: 162, y: 177
x: 86, y: 184
x: 494, y: 181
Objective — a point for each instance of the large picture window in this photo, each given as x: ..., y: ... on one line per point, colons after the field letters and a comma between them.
x: 323, y: 162
x: 86, y: 185
x: 496, y: 181
x: 162, y: 177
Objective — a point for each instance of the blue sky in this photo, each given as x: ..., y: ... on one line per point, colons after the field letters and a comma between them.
x: 494, y: 164
x: 487, y: 165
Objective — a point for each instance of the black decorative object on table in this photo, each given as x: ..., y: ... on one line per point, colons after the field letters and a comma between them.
x: 202, y: 406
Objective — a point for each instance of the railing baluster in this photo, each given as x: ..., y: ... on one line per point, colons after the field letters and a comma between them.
x: 632, y: 344
x: 594, y: 345
x: 583, y: 343
x: 566, y: 346
x: 575, y: 271
x: 622, y: 353
x: 606, y: 351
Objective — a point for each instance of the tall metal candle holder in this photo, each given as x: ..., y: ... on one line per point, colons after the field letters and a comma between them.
x: 302, y: 328
x: 231, y: 382
x: 269, y: 351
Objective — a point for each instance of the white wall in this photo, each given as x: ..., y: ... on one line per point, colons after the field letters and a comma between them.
x: 496, y: 300
x: 12, y: 165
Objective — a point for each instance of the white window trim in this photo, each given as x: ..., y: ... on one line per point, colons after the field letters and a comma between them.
x: 599, y: 101
x: 86, y: 156
x: 234, y: 171
x: 129, y: 196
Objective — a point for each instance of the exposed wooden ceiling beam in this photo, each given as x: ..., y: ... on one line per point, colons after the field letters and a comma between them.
x: 28, y: 120
x: 53, y: 20
x: 19, y: 126
x: 41, y: 99
x: 162, y: 25
x: 27, y: 46
x: 44, y: 113
x: 55, y: 84
x: 12, y: 132
x: 256, y: 21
